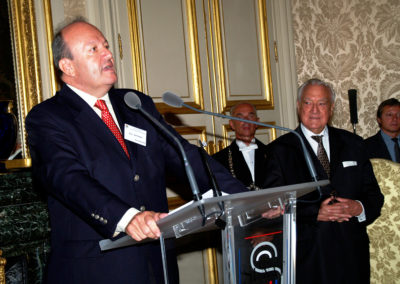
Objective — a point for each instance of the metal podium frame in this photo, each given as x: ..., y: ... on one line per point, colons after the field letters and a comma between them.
x: 232, y: 210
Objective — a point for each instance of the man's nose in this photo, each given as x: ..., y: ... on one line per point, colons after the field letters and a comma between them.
x: 107, y: 53
x: 314, y: 108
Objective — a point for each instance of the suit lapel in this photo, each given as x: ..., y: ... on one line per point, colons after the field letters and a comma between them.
x: 259, y: 158
x: 335, y: 149
x: 240, y: 167
x: 84, y: 116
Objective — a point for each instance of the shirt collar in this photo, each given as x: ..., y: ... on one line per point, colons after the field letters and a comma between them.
x: 88, y: 98
x: 244, y: 147
x: 307, y: 133
x: 387, y: 138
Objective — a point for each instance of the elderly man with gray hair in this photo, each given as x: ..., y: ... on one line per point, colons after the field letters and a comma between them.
x: 332, y: 241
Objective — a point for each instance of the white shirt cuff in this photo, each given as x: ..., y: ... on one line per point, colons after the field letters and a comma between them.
x: 361, y: 217
x: 121, y: 226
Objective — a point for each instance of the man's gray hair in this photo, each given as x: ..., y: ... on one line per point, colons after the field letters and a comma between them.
x: 315, y: 82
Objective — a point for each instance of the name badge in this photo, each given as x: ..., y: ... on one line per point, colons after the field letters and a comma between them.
x: 349, y: 164
x: 135, y: 135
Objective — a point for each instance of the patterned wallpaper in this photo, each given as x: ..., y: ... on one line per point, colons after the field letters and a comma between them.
x: 352, y: 44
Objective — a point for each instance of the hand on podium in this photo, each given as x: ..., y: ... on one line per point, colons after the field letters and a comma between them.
x: 272, y: 213
x: 143, y: 225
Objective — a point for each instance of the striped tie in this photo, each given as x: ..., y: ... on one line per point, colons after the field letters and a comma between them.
x: 322, y: 156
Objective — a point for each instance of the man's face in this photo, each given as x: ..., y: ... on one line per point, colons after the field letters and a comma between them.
x: 92, y: 67
x: 390, y: 120
x: 315, y: 108
x: 244, y: 131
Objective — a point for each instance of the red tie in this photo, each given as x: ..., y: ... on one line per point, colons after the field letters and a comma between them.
x: 109, y: 121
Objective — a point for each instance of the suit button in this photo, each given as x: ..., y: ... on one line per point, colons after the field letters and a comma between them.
x: 96, y: 217
x: 142, y: 208
x: 136, y: 178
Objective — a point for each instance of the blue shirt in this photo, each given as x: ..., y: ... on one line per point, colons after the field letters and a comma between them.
x: 390, y: 144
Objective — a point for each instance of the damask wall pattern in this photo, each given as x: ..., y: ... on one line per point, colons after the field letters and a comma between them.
x: 352, y: 44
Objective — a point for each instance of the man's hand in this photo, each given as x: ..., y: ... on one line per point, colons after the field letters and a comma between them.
x: 144, y: 226
x: 272, y: 213
x: 340, y: 211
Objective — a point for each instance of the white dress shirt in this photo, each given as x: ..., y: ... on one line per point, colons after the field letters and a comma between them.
x: 248, y: 152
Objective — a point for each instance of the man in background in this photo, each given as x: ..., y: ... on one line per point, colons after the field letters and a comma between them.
x: 332, y: 241
x: 103, y: 167
x: 385, y: 143
x: 245, y: 156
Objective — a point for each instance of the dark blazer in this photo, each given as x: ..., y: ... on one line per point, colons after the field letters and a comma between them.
x: 376, y: 147
x: 91, y: 183
x: 329, y: 252
x: 240, y: 167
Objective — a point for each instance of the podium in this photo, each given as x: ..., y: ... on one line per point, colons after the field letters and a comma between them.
x: 238, y: 215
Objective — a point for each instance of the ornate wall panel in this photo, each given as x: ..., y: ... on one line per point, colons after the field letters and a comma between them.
x: 353, y: 44
x: 167, y: 34
x: 241, y: 53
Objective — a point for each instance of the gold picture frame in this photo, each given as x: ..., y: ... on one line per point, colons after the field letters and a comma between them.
x: 26, y: 68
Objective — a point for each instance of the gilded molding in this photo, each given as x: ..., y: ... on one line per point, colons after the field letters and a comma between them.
x: 212, y: 265
x: 194, y: 53
x: 135, y: 45
x: 266, y: 64
x: 49, y: 36
x: 3, y: 262
x: 26, y: 64
x: 219, y: 57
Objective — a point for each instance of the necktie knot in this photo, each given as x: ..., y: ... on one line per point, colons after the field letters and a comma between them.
x: 317, y: 138
x: 395, y: 140
x: 101, y: 104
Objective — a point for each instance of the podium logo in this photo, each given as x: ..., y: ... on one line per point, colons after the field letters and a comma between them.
x: 264, y: 258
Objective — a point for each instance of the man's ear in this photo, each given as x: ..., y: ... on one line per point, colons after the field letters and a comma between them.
x: 232, y: 124
x: 67, y: 67
x: 379, y: 121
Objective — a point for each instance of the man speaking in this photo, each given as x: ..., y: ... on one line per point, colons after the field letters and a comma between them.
x: 103, y: 167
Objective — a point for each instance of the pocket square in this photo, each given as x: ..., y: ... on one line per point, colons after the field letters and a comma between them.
x: 349, y: 164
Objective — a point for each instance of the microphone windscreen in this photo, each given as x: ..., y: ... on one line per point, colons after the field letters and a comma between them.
x: 353, y: 105
x: 172, y: 99
x: 132, y: 100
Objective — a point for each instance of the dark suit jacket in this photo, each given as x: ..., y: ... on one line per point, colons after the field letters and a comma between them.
x: 91, y: 183
x: 329, y: 252
x: 240, y: 167
x: 376, y: 147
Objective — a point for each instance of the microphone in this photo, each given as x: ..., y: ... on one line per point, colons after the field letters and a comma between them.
x: 215, y: 187
x: 353, y: 108
x: 133, y: 101
x: 175, y: 101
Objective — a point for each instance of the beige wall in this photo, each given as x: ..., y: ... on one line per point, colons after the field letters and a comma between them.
x: 353, y: 44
